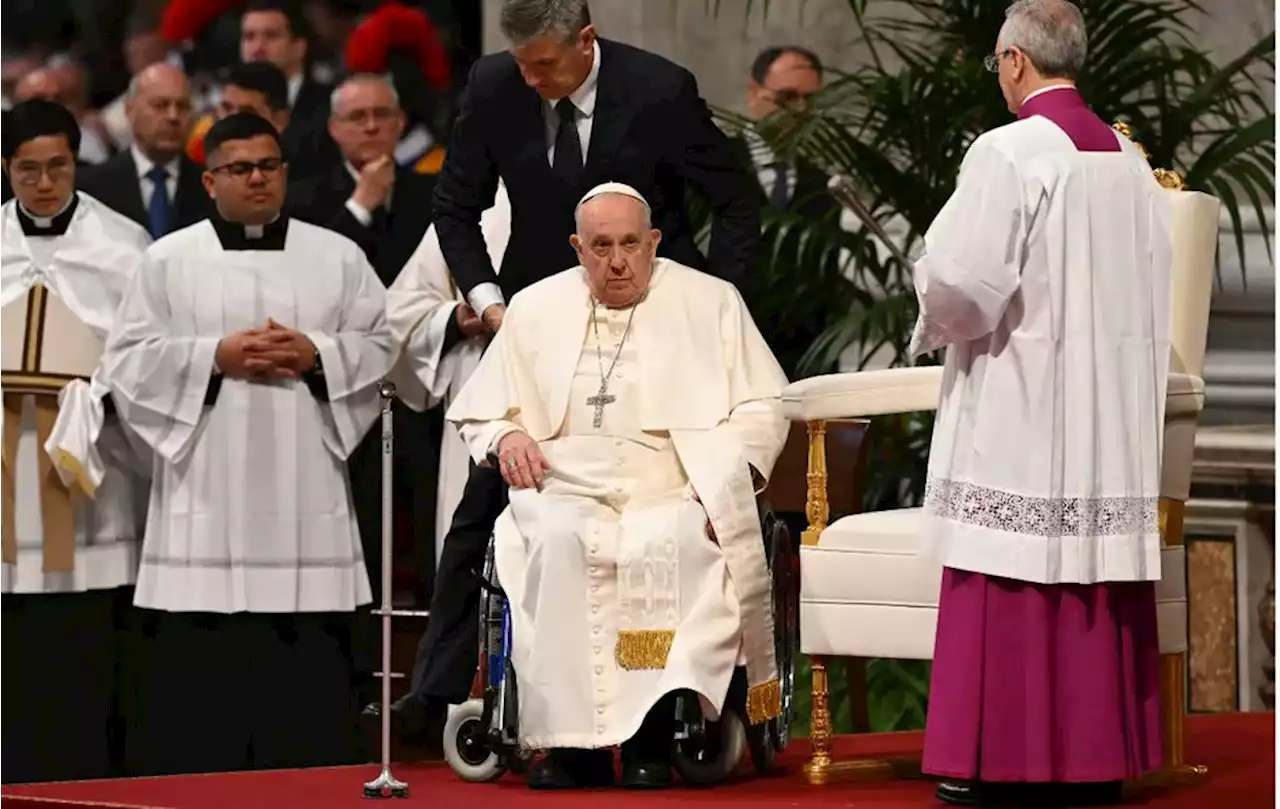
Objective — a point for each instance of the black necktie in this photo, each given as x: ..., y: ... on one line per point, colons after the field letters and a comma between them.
x: 568, y: 157
x: 779, y: 195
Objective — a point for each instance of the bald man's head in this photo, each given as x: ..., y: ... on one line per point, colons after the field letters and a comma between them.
x: 159, y: 109
x: 41, y: 83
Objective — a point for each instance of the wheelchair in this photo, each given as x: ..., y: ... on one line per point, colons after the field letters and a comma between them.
x: 481, y: 736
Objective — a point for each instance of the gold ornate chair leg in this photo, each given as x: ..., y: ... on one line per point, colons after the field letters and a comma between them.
x: 819, y: 724
x: 1173, y: 686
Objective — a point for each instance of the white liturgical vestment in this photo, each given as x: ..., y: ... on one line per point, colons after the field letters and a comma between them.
x: 618, y: 594
x: 1045, y: 463
x: 69, y: 468
x: 250, y: 510
x: 421, y: 303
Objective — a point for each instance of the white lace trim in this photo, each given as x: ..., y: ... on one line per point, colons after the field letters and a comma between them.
x: 1041, y: 516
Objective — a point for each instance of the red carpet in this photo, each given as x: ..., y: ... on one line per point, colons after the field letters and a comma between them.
x: 1238, y: 748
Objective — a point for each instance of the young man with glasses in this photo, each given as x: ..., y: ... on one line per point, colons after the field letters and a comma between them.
x: 72, y: 518
x: 247, y: 356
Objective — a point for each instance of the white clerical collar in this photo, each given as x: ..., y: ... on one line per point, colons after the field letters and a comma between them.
x: 145, y: 164
x: 1048, y: 89
x: 46, y: 222
x: 584, y: 98
x: 258, y: 231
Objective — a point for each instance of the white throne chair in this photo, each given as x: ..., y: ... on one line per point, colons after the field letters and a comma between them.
x: 867, y: 590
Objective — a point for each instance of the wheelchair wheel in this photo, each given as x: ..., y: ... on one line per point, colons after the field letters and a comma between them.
x: 713, y: 758
x: 466, y: 744
x: 768, y: 739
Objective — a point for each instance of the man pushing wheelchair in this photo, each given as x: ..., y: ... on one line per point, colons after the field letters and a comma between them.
x: 633, y: 409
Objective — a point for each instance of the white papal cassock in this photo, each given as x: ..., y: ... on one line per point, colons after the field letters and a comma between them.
x: 421, y: 303
x: 249, y: 507
x: 59, y: 294
x: 1045, y: 463
x: 618, y: 594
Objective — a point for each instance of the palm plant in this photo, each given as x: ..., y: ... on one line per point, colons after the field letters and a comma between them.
x: 900, y: 126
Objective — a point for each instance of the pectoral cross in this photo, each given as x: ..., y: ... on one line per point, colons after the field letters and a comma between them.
x: 598, y: 402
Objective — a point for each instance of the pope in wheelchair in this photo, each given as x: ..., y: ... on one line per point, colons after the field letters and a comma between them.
x: 633, y: 408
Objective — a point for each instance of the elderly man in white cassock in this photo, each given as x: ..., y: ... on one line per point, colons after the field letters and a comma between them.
x: 1047, y: 279
x: 72, y: 511
x: 247, y: 354
x: 633, y: 409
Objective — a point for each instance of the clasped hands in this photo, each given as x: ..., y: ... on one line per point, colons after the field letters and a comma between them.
x: 267, y: 352
x: 472, y: 325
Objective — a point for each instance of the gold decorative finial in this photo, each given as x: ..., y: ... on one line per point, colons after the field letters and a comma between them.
x: 1166, y: 177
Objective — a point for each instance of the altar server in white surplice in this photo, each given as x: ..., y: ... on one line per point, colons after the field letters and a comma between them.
x: 1046, y: 277
x: 439, y: 340
x: 74, y: 493
x: 247, y: 355
x: 633, y: 408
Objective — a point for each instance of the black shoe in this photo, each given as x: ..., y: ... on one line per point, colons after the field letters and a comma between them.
x: 641, y: 774
x: 572, y: 769
x: 959, y: 793
x: 413, y: 723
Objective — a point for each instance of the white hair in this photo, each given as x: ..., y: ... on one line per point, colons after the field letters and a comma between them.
x: 1050, y: 32
x: 364, y: 78
x: 616, y: 190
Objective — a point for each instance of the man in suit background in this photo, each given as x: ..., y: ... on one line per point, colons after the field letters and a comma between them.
x: 560, y: 113
x: 277, y: 31
x: 385, y: 209
x: 152, y: 182
x: 784, y: 77
x: 791, y: 316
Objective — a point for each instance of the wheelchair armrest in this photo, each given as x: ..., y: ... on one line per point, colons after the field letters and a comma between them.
x: 1184, y: 395
x: 863, y: 394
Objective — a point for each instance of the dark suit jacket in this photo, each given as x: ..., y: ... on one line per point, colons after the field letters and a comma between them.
x: 310, y: 150
x: 116, y: 184
x: 390, y: 240
x: 650, y: 130
x: 810, y: 198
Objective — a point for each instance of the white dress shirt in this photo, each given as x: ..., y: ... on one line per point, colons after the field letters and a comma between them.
x: 584, y: 99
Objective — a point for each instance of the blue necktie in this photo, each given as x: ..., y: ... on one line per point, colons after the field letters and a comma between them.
x: 158, y: 211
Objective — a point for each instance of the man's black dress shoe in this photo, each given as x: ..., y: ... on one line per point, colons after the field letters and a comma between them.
x: 572, y: 769
x: 641, y: 774
x: 413, y: 722
x: 959, y: 793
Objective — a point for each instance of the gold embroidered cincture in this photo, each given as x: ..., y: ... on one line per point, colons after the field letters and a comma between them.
x: 640, y: 649
x: 764, y: 701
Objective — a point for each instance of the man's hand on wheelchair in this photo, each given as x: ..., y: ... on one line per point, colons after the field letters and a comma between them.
x: 521, y: 462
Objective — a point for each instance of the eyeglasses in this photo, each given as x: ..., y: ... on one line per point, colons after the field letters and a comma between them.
x: 992, y: 62
x: 243, y: 169
x: 379, y: 115
x: 29, y: 173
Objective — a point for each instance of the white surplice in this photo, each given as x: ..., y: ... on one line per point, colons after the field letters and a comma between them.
x: 1045, y: 463
x: 421, y: 302
x: 84, y: 271
x: 250, y: 509
x: 618, y: 594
